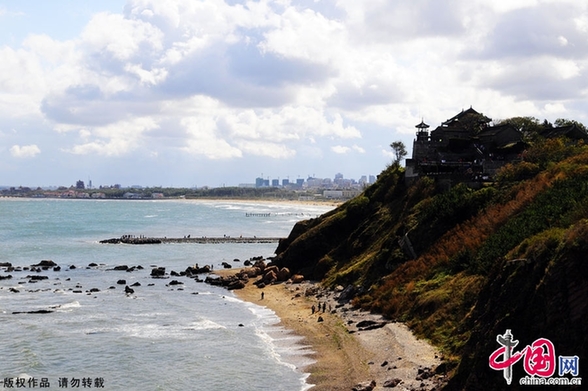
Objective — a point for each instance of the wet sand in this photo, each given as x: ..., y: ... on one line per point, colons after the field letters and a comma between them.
x: 345, y: 355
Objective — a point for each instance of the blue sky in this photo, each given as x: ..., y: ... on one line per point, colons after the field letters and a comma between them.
x: 213, y: 92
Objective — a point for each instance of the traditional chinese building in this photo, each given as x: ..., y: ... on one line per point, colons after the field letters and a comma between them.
x: 467, y: 148
x: 463, y: 148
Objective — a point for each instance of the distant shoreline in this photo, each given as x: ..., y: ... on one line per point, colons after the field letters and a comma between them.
x: 316, y: 202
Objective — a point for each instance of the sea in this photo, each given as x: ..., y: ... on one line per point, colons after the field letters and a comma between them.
x: 78, y: 329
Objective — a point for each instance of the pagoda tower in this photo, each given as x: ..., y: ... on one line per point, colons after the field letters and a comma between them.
x: 420, y: 146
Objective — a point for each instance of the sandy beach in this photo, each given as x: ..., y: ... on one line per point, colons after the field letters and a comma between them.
x: 345, y: 353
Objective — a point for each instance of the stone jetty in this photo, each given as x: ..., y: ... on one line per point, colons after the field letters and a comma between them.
x: 132, y: 239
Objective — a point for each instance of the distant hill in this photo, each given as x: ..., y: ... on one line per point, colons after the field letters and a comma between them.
x: 461, y: 266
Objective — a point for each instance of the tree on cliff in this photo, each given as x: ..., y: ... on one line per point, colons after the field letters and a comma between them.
x: 399, y: 151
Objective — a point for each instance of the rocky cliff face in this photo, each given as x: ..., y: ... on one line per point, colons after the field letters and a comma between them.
x: 544, y: 294
x: 460, y: 267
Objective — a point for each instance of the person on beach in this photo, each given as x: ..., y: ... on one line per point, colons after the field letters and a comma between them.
x: 313, y: 308
x: 262, y: 295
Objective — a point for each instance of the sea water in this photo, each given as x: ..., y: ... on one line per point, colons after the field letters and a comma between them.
x: 190, y: 336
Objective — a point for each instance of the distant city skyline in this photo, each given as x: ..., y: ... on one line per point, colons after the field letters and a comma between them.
x: 184, y: 93
x: 337, y: 180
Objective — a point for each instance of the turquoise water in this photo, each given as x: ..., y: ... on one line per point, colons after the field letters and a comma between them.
x: 190, y: 336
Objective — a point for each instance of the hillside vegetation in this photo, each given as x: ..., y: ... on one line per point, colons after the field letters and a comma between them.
x: 463, y: 265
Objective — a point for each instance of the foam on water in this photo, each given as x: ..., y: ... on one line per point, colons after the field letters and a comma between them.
x: 286, y: 348
x: 160, y: 337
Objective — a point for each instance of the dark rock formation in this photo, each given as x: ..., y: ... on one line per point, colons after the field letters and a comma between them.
x: 37, y: 278
x: 158, y: 272
x: 297, y: 278
x: 391, y: 383
x: 33, y: 312
x: 120, y: 267
x: 229, y: 282
x: 195, y: 270
x: 365, y: 325
x: 47, y: 263
x: 110, y: 241
x: 284, y: 274
x: 365, y: 386
x: 128, y: 290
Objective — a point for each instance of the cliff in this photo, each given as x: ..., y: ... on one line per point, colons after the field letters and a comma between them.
x: 462, y: 266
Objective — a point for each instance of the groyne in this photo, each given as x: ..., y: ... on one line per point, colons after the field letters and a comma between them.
x: 131, y: 239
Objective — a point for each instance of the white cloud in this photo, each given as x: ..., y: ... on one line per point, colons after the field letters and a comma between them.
x: 287, y: 82
x: 114, y: 140
x: 121, y: 37
x: 358, y: 149
x: 340, y: 149
x: 25, y: 151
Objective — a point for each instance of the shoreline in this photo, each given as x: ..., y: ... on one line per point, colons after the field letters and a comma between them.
x: 316, y: 202
x: 343, y: 354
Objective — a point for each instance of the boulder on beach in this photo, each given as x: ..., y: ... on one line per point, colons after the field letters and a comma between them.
x: 252, y: 272
x: 270, y: 277
x: 271, y: 269
x: 297, y: 278
x: 284, y: 274
x: 237, y: 284
x: 391, y: 383
x: 260, y: 264
x: 365, y: 386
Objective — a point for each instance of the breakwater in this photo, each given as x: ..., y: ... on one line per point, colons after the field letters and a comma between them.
x: 131, y: 239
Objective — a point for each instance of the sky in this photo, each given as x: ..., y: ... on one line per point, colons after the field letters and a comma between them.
x: 183, y: 93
